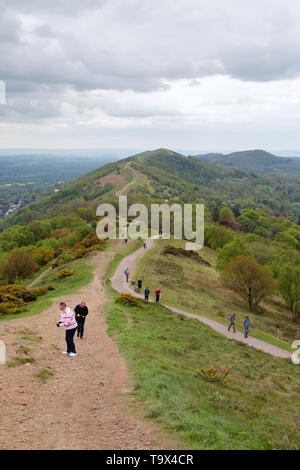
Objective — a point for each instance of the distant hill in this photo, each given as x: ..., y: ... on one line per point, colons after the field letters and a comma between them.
x: 258, y: 161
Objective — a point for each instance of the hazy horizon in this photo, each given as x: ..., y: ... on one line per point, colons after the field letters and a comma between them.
x: 123, y: 152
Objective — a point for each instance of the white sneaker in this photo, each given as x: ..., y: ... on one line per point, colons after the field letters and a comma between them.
x: 72, y: 354
x: 65, y: 352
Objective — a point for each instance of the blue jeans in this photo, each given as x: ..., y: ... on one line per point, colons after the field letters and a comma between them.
x: 80, y: 327
x: 70, y: 341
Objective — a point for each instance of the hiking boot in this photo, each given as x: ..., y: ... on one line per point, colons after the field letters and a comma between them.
x: 72, y: 354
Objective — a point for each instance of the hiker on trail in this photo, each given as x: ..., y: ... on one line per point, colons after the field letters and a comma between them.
x: 81, y: 312
x: 126, y: 272
x: 232, y: 321
x: 157, y: 294
x: 246, y: 326
x: 145, y: 245
x: 140, y: 284
x: 147, y: 293
x: 67, y: 320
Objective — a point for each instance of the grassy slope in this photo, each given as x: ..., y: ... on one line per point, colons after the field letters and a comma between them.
x: 195, y: 287
x: 83, y: 274
x: 257, y: 409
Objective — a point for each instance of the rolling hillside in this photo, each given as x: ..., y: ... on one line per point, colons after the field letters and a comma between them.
x: 257, y: 161
x: 166, y: 175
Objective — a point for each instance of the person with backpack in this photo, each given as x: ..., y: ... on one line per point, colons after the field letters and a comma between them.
x: 246, y: 326
x: 68, y: 322
x: 126, y: 272
x: 147, y: 293
x: 81, y: 311
x: 232, y: 323
x: 157, y: 294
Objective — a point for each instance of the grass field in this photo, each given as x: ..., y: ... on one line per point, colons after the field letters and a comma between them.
x: 258, y: 408
x: 83, y: 274
x: 194, y: 287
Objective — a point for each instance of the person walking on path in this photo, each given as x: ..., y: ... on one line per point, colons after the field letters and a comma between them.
x: 145, y: 245
x: 126, y: 272
x: 231, y: 324
x: 140, y: 284
x: 147, y: 293
x: 81, y: 311
x: 246, y: 326
x: 157, y: 294
x: 67, y: 320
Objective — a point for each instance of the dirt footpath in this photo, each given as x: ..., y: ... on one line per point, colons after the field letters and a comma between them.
x: 85, y: 404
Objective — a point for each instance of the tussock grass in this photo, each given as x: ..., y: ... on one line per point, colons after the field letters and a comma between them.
x: 44, y: 374
x: 19, y: 361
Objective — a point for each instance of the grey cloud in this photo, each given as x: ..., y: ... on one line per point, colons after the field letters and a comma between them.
x: 136, y: 45
x: 47, y: 48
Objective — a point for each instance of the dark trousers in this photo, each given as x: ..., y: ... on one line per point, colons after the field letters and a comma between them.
x: 70, y: 340
x: 146, y: 296
x: 231, y: 324
x: 80, y: 327
x: 157, y: 297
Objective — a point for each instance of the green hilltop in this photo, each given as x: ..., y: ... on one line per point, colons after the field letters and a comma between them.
x: 257, y: 161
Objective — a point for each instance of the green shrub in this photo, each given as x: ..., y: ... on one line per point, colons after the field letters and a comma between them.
x: 129, y: 299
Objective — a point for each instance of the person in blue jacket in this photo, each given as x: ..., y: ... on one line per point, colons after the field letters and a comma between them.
x: 147, y: 293
x: 246, y: 326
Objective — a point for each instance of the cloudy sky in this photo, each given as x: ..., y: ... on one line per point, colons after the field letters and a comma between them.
x: 195, y: 74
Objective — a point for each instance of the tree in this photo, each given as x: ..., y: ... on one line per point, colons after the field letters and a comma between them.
x: 230, y: 251
x: 87, y: 213
x: 247, y: 278
x: 217, y: 236
x: 286, y: 239
x: 19, y: 265
x: 226, y: 213
x: 262, y: 252
x: 289, y: 287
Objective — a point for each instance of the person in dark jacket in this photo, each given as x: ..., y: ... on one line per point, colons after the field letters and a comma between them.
x: 81, y: 312
x: 140, y: 284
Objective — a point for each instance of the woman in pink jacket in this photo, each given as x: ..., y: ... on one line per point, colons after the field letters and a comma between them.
x: 67, y: 320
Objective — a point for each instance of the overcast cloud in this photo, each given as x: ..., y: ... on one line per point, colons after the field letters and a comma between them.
x: 198, y: 74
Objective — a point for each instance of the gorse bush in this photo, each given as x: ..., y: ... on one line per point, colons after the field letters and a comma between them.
x: 213, y: 374
x: 65, y: 273
x: 14, y: 298
x: 89, y: 243
x: 129, y: 299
